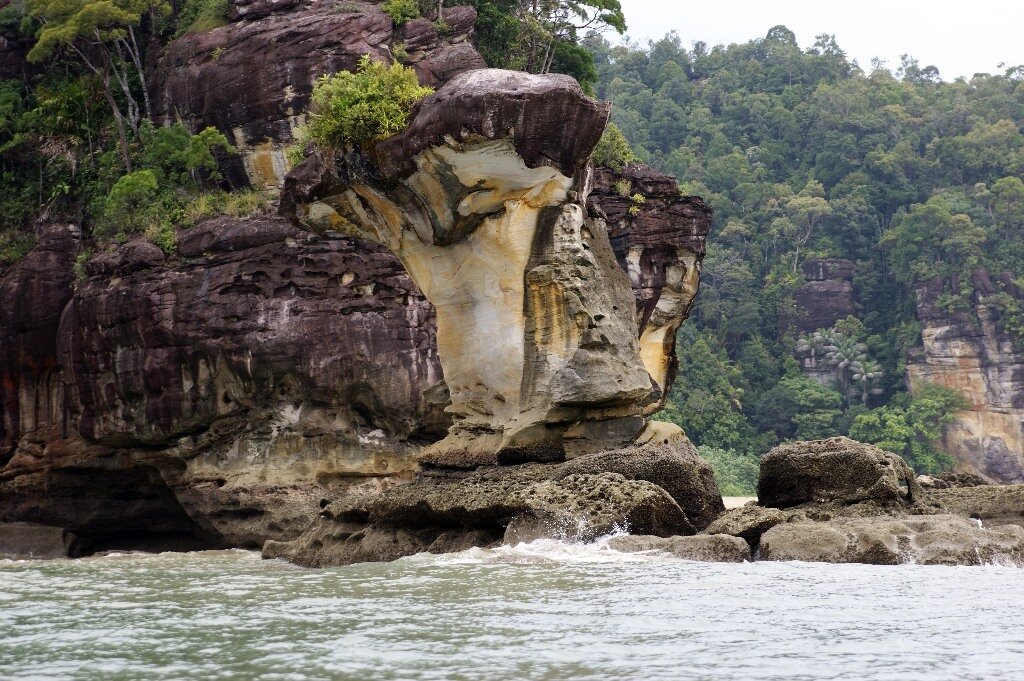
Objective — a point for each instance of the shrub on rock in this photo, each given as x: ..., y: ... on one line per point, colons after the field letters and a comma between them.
x: 370, y: 104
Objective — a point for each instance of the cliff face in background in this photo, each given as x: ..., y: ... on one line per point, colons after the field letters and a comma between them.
x: 826, y: 295
x: 221, y: 396
x: 971, y: 352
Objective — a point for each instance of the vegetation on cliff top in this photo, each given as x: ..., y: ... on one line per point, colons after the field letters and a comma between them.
x: 369, y: 104
x: 803, y: 154
x: 77, y: 142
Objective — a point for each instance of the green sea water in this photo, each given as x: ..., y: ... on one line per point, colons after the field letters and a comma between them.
x: 538, y: 611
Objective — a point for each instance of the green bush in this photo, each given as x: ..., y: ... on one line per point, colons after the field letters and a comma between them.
x: 130, y: 206
x: 14, y: 244
x: 370, y: 104
x: 239, y: 204
x: 613, y: 151
x: 197, y: 16
x: 179, y: 157
x: 81, y: 259
x: 401, y: 11
x: 735, y: 472
x: 911, y: 427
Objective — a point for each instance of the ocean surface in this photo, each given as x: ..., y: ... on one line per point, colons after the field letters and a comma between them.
x: 538, y: 611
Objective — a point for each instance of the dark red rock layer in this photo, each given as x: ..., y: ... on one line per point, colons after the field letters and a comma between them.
x: 663, y: 223
x: 827, y: 294
x: 253, y: 77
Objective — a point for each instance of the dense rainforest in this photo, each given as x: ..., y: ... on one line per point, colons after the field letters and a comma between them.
x: 802, y: 153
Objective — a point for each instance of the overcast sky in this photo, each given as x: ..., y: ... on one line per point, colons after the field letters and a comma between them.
x: 961, y: 38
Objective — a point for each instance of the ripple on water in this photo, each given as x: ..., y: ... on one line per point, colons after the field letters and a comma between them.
x: 543, y: 610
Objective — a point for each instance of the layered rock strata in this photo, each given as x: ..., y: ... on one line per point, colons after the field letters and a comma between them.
x: 252, y: 78
x: 656, y: 489
x: 221, y: 395
x: 826, y: 295
x: 971, y: 352
x: 659, y: 238
x: 485, y: 204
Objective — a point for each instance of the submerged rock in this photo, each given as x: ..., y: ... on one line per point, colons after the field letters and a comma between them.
x: 749, y: 522
x: 926, y: 540
x: 708, y: 548
x: 22, y: 541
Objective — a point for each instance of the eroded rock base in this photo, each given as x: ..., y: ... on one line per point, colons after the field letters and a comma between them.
x: 657, y: 489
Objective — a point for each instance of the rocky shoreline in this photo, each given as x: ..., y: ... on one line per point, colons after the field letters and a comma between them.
x: 828, y: 501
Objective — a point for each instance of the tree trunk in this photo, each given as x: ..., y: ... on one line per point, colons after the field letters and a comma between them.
x: 122, y: 138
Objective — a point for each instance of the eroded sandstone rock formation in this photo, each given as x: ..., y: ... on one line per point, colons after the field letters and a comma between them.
x: 485, y: 203
x: 972, y: 353
x: 221, y: 395
x: 826, y: 295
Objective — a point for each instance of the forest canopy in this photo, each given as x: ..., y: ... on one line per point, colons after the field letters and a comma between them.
x: 804, y: 154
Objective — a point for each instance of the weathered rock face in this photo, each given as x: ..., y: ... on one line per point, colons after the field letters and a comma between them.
x: 706, y: 548
x: 994, y: 505
x: 36, y: 291
x: 838, y: 470
x: 924, y: 540
x: 484, y: 203
x: 971, y: 352
x: 221, y: 396
x: 222, y: 393
x: 827, y: 294
x: 581, y: 499
x: 252, y: 78
x: 661, y: 244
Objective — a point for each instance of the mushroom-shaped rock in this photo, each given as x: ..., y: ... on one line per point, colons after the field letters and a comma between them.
x: 483, y: 198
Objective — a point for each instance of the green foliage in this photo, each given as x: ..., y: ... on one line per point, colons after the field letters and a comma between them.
x: 101, y: 21
x: 912, y: 427
x: 799, y: 408
x: 131, y: 207
x: 613, y: 150
x: 179, y: 157
x: 401, y: 11
x: 370, y: 104
x: 804, y: 155
x: 240, y: 204
x: 545, y: 37
x: 14, y: 244
x: 735, y: 472
x: 197, y: 16
x: 81, y: 259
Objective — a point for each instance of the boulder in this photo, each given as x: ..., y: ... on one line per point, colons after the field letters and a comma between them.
x: 578, y: 500
x: 838, y: 470
x: 22, y: 541
x: 707, y: 548
x: 749, y: 522
x: 992, y: 504
x: 481, y: 509
x: 675, y: 466
x: 925, y: 540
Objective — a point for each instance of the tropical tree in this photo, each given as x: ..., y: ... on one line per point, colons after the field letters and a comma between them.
x: 101, y: 35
